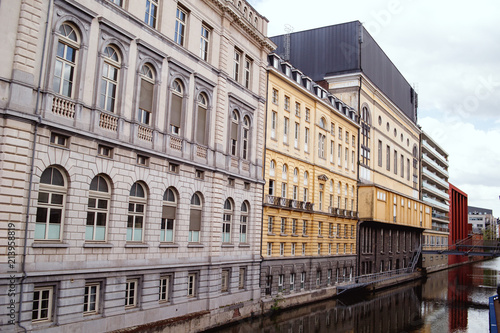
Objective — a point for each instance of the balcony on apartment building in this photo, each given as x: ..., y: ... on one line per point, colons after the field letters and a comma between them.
x: 434, y: 152
x: 433, y: 201
x: 440, y: 181
x: 439, y: 216
x: 427, y: 186
x: 285, y: 203
x: 438, y: 168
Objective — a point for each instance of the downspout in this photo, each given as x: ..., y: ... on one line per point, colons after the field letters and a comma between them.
x: 32, y: 167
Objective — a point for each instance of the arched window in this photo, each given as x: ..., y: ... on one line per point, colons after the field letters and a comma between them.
x: 176, y: 107
x: 331, y: 186
x: 284, y: 173
x: 244, y: 222
x: 235, y: 119
x: 109, y: 79
x: 365, y: 123
x: 67, y: 48
x: 201, y: 120
x: 98, y: 209
x: 169, y: 212
x: 136, y: 213
x: 272, y: 168
x: 322, y: 123
x: 295, y: 175
x: 246, y: 132
x: 195, y: 218
x: 146, y: 93
x: 51, y: 203
x: 226, y: 221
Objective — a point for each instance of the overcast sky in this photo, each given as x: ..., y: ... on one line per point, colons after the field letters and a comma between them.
x: 450, y: 52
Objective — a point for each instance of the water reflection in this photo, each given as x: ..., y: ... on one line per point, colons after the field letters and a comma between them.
x: 454, y: 300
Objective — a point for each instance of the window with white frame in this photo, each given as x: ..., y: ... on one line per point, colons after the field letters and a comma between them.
x: 245, y: 137
x: 204, y: 42
x: 131, y: 293
x: 169, y: 212
x: 297, y: 109
x: 248, y: 72
x: 191, y: 284
x: 91, y: 298
x: 321, y: 145
x: 269, y: 249
x: 302, y: 280
x: 294, y: 226
x: 109, y: 79
x: 43, y: 298
x: 243, y: 222
x: 303, y: 249
x: 274, y: 117
x: 332, y: 151
x: 150, y: 16
x: 318, y: 278
x: 146, y: 92
x: 283, y: 225
x: 227, y: 220
x: 164, y: 292
x: 346, y: 158
x: 287, y: 103
x: 136, y: 213
x: 236, y: 64
x: 180, y: 26
x: 195, y: 218
x: 275, y: 97
x: 292, y: 281
x: 286, y: 126
x: 176, y: 107
x: 271, y: 187
x: 235, y: 119
x: 306, y: 139
x: 97, y: 209
x: 50, y: 206
x: 296, y: 135
x: 242, y: 278
x: 293, y: 249
x: 68, y: 45
x: 281, y: 279
x: 304, y: 227
x: 308, y: 114
x: 270, y: 221
x: 295, y: 175
x: 282, y: 249
x: 295, y: 192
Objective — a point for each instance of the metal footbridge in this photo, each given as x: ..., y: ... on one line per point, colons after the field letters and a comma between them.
x: 467, y: 247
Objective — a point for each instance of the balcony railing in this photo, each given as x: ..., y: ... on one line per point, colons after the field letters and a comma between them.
x: 436, y: 166
x: 435, y: 202
x: 427, y: 173
x: 435, y: 152
x: 63, y: 107
x: 442, y: 194
x: 289, y: 203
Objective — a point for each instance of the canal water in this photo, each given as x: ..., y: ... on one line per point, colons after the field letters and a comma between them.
x: 454, y: 300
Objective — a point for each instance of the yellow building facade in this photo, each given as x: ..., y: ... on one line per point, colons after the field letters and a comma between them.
x: 310, y: 205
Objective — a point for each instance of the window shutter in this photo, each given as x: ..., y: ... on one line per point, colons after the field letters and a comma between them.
x: 168, y: 212
x: 195, y: 220
x: 234, y: 131
x: 175, y: 114
x: 146, y: 98
x: 201, y: 125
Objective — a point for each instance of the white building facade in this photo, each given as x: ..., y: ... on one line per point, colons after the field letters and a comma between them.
x: 132, y: 136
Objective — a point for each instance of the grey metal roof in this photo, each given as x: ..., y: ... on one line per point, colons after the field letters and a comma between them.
x: 479, y: 211
x: 336, y: 50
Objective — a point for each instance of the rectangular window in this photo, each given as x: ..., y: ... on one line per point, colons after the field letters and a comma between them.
x: 347, y: 137
x: 319, y: 249
x: 180, y: 26
x: 274, y: 117
x: 339, y: 155
x: 248, y: 72
x: 281, y: 278
x: 332, y: 129
x: 224, y: 281
x: 292, y: 281
x: 395, y: 162
x: 282, y: 249
x: 379, y: 153
x: 42, y: 304
x: 59, y: 140
x: 287, y: 103
x: 306, y: 140
x: 353, y: 163
x: 304, y: 228
x: 104, y: 151
x: 388, y: 158
x: 331, y: 152
x: 320, y: 224
x: 270, y: 224
x: 297, y: 109
x: 294, y: 226
x: 295, y: 192
x: 329, y: 276
x: 142, y: 160
x: 151, y: 13
x: 91, y: 299
x: 302, y: 280
x: 283, y: 190
x: 131, y: 293
x: 318, y: 278
x: 204, y: 42
x: 407, y: 169
x: 283, y: 225
x: 286, y: 125
x: 236, y: 65
x: 242, y: 278
x: 164, y: 288
x: 275, y: 97
x: 191, y: 285
x: 303, y: 249
x: 308, y: 114
x: 402, y: 166
x: 340, y: 133
x: 321, y: 145
x: 293, y: 249
x: 346, y: 158
x: 296, y: 136
x: 305, y: 195
x: 269, y: 249
x: 353, y: 141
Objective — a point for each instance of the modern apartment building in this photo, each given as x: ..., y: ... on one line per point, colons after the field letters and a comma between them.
x: 132, y: 138
x: 481, y: 219
x: 434, y: 191
x: 310, y: 216
x: 392, y: 217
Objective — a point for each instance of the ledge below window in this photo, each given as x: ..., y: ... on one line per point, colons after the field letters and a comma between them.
x: 136, y: 245
x: 244, y: 245
x: 50, y: 245
x: 98, y: 245
x: 169, y: 245
x: 195, y: 245
x: 227, y: 246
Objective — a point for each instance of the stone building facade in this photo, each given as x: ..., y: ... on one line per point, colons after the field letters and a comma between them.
x: 310, y: 216
x: 132, y: 136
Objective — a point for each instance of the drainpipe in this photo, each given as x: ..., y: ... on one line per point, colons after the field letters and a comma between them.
x: 32, y: 167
